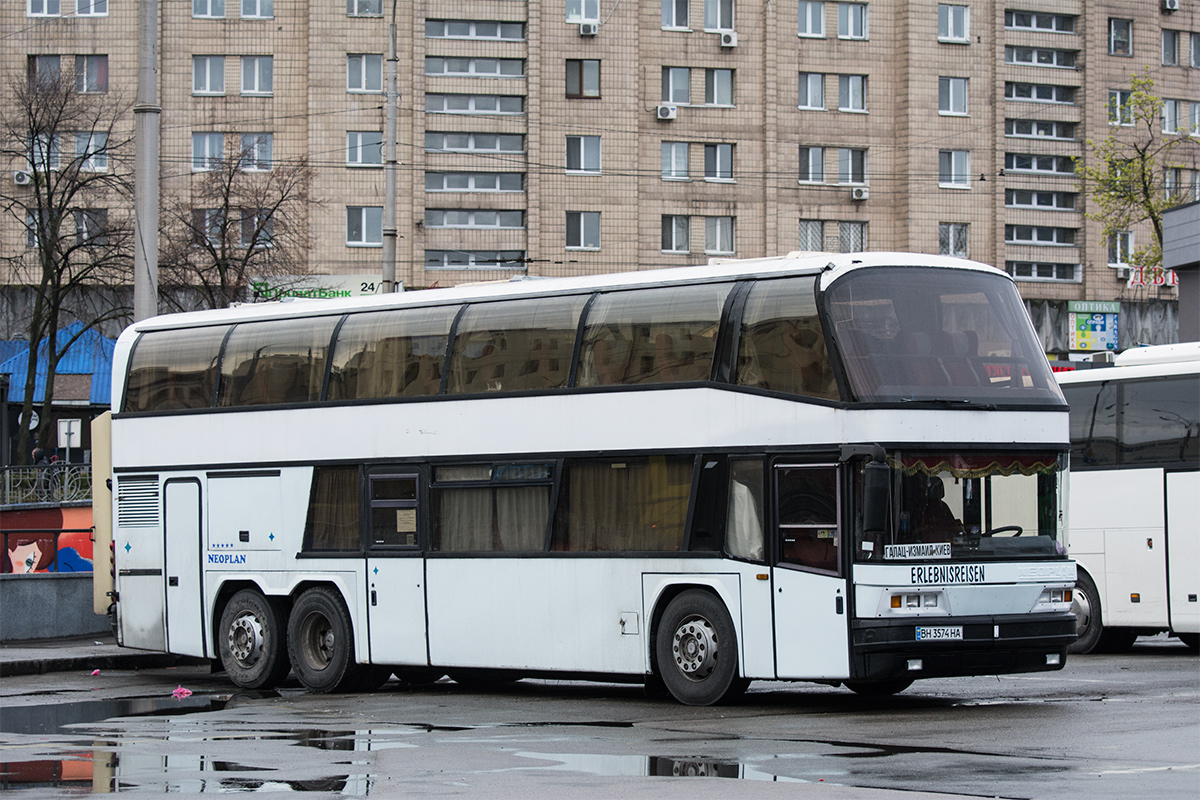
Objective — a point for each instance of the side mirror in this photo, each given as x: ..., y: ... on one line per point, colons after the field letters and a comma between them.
x: 876, y: 477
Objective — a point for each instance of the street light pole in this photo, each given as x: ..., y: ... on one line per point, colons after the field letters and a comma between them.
x: 146, y: 123
x: 389, y: 174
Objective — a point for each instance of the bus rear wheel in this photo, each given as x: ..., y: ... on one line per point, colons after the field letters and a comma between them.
x: 1086, y: 605
x: 321, y: 642
x: 251, y: 641
x: 696, y: 650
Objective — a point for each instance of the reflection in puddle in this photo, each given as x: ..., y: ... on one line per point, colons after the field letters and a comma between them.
x: 636, y: 766
x: 42, y: 719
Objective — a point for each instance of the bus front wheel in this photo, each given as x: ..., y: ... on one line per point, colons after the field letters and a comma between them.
x: 251, y: 641
x: 321, y: 642
x: 696, y: 650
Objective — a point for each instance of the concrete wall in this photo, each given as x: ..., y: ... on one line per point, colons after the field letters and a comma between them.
x: 47, y: 605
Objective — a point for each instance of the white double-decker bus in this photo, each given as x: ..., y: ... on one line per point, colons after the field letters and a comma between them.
x: 839, y: 468
x: 1135, y: 480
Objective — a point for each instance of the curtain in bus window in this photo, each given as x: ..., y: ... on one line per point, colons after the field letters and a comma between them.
x: 173, y: 370
x: 514, y: 345
x: 1093, y: 424
x: 782, y: 344
x: 281, y: 361
x: 744, y: 526
x: 481, y: 519
x: 333, y: 510
x: 395, y: 353
x: 664, y: 335
x: 1160, y: 421
x: 638, y: 504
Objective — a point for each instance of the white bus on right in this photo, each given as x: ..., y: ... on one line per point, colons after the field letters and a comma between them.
x: 1134, y: 502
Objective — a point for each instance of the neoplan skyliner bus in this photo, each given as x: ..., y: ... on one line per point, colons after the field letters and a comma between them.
x: 837, y: 468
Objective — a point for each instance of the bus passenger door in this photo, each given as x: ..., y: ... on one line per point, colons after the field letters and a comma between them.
x: 811, y: 604
x: 395, y: 570
x: 182, y: 535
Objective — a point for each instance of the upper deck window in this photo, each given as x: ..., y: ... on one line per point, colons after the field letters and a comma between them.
x: 390, y: 354
x: 782, y: 343
x: 171, y: 370
x: 662, y: 335
x: 282, y: 361
x: 916, y: 334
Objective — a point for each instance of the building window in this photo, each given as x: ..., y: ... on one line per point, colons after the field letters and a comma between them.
x: 257, y: 229
x: 812, y: 90
x: 583, y: 10
x: 852, y: 237
x: 676, y: 85
x: 44, y: 70
x: 1195, y: 48
x: 1120, y: 248
x: 475, y: 259
x: 475, y: 67
x: 718, y: 235
x: 1172, y: 182
x: 208, y: 75
x: 812, y: 19
x: 1028, y: 162
x: 674, y: 161
x: 1120, y: 37
x: 1120, y: 111
x: 43, y: 8
x: 812, y: 235
x: 1039, y: 57
x: 474, y: 218
x: 208, y: 151
x: 364, y: 226
x: 718, y: 162
x: 1042, y: 271
x: 954, y: 169
x: 364, y: 73
x: 952, y: 96
x: 852, y: 165
x: 474, y: 182
x: 441, y: 142
x: 852, y: 92
x: 852, y: 20
x: 1029, y: 198
x: 1039, y: 129
x: 676, y: 233
x: 1039, y: 93
x: 91, y: 74
x: 1170, y: 48
x: 208, y: 227
x: 1170, y: 116
x: 954, y: 23
x: 91, y: 226
x: 952, y: 239
x: 258, y: 9
x: 208, y: 9
x: 675, y: 15
x: 1030, y: 21
x: 1039, y: 235
x: 91, y: 8
x: 812, y: 165
x: 258, y: 75
x: 718, y: 87
x: 583, y: 230
x: 1195, y: 118
x: 364, y: 8
x: 469, y: 29
x: 256, y: 152
x: 474, y: 104
x: 364, y: 149
x: 718, y: 15
x: 583, y: 77
x: 583, y: 154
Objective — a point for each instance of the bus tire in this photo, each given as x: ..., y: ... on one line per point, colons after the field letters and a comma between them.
x: 879, y: 688
x: 696, y: 650
x: 251, y: 641
x: 321, y: 642
x: 369, y: 677
x: 1086, y: 605
x: 1116, y: 640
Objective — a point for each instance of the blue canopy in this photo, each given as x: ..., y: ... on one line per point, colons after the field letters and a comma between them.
x: 91, y: 354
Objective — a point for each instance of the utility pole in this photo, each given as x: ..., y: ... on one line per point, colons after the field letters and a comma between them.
x: 389, y: 173
x: 146, y: 122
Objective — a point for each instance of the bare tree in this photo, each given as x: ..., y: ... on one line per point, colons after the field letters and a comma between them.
x: 246, y: 218
x: 68, y: 142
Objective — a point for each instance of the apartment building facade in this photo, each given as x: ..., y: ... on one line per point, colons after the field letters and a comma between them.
x: 577, y: 136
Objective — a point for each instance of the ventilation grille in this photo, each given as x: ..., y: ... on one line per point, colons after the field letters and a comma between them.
x: 137, y: 502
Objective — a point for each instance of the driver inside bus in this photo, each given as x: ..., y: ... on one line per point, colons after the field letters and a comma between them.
x: 935, y: 520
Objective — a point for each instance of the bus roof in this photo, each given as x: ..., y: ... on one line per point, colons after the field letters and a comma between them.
x: 1158, y: 361
x: 834, y: 265
x: 1160, y: 354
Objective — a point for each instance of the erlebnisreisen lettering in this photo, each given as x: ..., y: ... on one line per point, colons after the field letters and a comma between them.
x: 948, y: 573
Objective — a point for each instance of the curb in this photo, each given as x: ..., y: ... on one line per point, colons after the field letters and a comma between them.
x: 43, y: 666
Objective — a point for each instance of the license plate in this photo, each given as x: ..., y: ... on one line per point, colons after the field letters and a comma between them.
x: 945, y: 633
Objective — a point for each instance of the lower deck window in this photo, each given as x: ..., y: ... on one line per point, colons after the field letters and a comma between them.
x: 491, y: 508
x: 333, y: 510
x: 637, y: 504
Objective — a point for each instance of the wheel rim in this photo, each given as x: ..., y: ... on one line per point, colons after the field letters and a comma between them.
x: 246, y: 641
x: 694, y: 647
x: 319, y: 640
x: 1081, y: 604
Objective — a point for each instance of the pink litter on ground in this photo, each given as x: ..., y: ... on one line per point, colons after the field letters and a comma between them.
x: 95, y: 672
x: 181, y: 693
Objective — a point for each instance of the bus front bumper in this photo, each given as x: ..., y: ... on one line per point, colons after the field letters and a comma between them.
x: 954, y: 646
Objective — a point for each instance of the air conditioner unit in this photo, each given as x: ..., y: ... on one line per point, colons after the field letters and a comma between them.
x: 588, y: 28
x: 666, y: 112
x: 729, y: 39
x: 860, y: 193
x: 22, y: 178
x: 1170, y: 5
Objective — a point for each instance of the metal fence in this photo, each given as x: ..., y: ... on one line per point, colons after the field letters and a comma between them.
x: 49, y: 483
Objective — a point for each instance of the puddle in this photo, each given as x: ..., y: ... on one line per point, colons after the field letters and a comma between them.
x: 43, y: 719
x: 636, y: 766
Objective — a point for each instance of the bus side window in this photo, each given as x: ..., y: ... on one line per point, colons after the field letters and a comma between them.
x: 491, y: 508
x: 744, y: 518
x: 1093, y: 424
x: 638, y: 504
x: 393, y: 510
x: 808, y: 516
x: 332, y: 524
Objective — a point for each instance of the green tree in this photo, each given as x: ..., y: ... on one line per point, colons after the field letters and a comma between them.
x: 1128, y: 175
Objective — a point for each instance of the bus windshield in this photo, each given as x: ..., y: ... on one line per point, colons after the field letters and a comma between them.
x: 971, y: 506
x: 925, y: 334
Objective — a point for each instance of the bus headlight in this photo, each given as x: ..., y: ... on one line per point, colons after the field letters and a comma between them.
x: 917, y: 602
